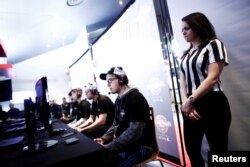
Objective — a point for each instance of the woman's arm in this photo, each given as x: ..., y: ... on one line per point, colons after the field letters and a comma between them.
x: 186, y: 105
x: 183, y: 87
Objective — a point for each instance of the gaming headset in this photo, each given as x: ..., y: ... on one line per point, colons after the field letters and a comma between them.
x: 92, y: 88
x: 122, y: 79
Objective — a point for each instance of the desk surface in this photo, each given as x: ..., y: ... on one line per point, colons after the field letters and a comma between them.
x: 86, y: 151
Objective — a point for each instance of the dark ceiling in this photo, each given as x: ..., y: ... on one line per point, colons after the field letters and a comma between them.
x: 31, y: 27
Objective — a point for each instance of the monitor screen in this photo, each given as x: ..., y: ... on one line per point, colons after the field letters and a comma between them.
x: 42, y: 103
x: 6, y: 90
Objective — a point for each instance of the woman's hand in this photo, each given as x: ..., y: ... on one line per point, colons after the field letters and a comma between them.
x: 186, y: 107
x: 193, y: 115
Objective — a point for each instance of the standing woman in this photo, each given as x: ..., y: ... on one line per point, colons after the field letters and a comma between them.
x: 205, y: 107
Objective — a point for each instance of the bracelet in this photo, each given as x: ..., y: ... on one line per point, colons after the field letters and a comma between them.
x: 192, y: 100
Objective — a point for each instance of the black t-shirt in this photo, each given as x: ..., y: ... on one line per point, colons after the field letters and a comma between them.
x: 65, y: 107
x: 84, y: 109
x: 73, y: 108
x: 104, y: 105
x: 132, y: 107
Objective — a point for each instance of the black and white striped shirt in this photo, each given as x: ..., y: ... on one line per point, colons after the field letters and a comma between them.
x: 194, y: 66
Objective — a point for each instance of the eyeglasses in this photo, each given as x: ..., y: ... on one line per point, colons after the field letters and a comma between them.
x: 110, y: 80
x: 185, y: 29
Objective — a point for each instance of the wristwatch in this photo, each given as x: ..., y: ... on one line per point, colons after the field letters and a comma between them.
x: 192, y: 100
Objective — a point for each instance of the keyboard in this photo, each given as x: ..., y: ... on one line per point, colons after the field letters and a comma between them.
x: 10, y: 143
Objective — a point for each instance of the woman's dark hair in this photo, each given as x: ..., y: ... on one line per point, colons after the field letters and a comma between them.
x: 201, y: 26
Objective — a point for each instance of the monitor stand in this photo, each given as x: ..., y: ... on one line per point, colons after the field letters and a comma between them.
x: 42, y: 145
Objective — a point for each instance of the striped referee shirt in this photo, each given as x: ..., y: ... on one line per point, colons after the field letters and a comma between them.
x: 194, y: 66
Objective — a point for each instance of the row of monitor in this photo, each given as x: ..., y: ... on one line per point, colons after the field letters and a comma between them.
x: 36, y: 112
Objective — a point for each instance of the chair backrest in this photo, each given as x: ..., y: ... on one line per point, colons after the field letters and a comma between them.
x: 151, y: 133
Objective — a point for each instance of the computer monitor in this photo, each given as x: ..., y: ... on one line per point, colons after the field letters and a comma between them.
x: 43, y: 108
x: 38, y: 112
x: 42, y: 103
x: 30, y: 121
x: 5, y: 90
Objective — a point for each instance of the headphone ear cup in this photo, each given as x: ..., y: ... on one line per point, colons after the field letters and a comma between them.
x: 95, y: 92
x: 121, y: 81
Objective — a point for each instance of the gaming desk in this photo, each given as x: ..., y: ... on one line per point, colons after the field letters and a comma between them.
x: 84, y: 152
